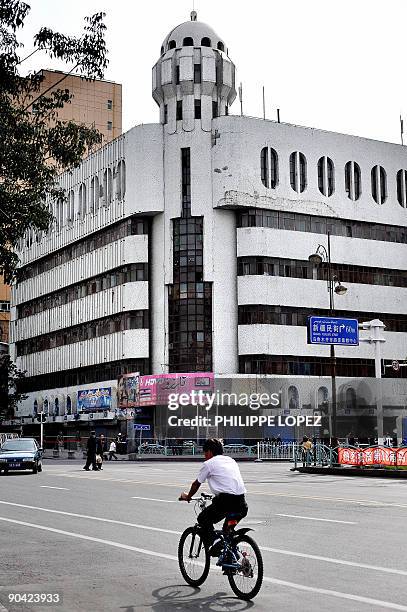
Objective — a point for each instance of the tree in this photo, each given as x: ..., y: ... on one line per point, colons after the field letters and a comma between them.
x: 35, y: 146
x: 10, y: 396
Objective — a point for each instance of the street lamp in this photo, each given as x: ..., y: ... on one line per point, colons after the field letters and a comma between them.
x: 323, y: 255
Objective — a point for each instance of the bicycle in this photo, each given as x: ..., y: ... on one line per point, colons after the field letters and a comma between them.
x: 240, y: 557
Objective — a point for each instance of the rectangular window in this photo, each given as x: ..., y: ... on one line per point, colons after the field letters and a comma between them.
x: 214, y: 109
x: 177, y: 75
x: 179, y: 110
x: 197, y: 109
x: 109, y: 104
x: 165, y: 114
x: 197, y: 73
x: 109, y: 125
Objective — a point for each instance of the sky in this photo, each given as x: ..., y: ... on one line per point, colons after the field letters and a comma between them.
x: 337, y: 65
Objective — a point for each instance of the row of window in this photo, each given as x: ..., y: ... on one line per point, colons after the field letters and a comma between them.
x: 292, y: 365
x: 83, y: 375
x: 119, y: 276
x: 128, y: 227
x: 188, y: 41
x: 4, y: 306
x: 296, y: 268
x: 197, y: 110
x: 258, y: 217
x: 100, y: 194
x: 269, y: 171
x: 135, y: 319
x: 261, y: 314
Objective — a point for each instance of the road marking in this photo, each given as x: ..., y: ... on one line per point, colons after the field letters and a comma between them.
x: 152, y: 553
x: 280, y: 551
x: 372, y: 502
x: 167, y: 501
x: 93, y: 518
x: 59, y: 488
x: 3, y: 609
x: 376, y: 568
x: 311, y: 518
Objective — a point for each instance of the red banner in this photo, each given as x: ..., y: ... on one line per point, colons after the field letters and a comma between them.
x: 382, y: 455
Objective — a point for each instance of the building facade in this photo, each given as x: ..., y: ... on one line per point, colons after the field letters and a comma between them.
x: 183, y: 247
x: 96, y: 103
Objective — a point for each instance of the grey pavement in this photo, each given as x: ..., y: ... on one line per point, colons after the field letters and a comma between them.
x: 107, y: 541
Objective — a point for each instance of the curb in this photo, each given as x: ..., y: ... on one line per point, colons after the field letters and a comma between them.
x: 366, y: 473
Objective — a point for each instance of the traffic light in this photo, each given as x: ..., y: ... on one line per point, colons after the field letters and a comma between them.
x: 41, y: 417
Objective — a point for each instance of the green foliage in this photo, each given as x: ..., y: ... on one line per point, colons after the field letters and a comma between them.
x: 10, y: 397
x: 35, y: 146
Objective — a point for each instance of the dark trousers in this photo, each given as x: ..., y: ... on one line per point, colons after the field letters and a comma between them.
x: 91, y: 459
x: 112, y: 454
x: 222, y: 505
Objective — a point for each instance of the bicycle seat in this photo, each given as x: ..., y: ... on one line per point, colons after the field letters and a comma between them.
x: 233, y: 518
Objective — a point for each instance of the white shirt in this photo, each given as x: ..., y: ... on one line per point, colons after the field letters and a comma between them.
x: 112, y: 448
x: 223, y: 475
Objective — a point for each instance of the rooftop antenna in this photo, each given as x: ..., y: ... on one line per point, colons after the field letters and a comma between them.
x: 264, y: 104
x: 241, y: 99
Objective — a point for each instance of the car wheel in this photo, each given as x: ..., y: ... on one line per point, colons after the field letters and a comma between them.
x: 35, y: 468
x: 40, y: 467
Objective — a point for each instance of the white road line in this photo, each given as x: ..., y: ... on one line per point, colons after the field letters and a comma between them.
x: 311, y: 518
x: 279, y: 551
x: 167, y: 501
x: 381, y: 504
x: 3, y: 609
x: 375, y: 568
x: 151, y: 553
x: 59, y: 488
x: 92, y: 518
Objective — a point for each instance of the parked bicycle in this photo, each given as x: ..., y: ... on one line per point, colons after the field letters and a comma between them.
x: 240, y: 557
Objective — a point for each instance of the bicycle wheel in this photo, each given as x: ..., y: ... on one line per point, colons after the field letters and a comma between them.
x: 247, y: 580
x: 193, y: 557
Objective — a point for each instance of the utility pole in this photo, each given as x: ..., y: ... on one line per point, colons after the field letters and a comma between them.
x: 376, y: 328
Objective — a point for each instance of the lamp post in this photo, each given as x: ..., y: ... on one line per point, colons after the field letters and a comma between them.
x: 321, y: 255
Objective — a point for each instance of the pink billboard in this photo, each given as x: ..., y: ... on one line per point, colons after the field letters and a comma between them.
x: 155, y: 389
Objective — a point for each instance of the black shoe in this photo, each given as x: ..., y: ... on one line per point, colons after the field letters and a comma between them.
x: 87, y: 469
x: 216, y: 548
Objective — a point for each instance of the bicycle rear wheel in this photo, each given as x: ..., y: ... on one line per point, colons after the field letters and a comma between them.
x: 193, y: 557
x: 246, y: 581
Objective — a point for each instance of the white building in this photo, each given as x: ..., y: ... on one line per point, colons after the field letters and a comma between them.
x: 183, y: 246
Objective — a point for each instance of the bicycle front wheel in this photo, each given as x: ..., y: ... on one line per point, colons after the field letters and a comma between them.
x: 246, y: 581
x: 193, y: 557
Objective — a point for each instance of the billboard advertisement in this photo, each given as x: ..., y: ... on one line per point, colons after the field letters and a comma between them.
x: 154, y: 390
x: 134, y: 390
x: 93, y: 399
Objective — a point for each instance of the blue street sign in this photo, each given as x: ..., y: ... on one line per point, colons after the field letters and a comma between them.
x: 331, y: 330
x: 140, y: 427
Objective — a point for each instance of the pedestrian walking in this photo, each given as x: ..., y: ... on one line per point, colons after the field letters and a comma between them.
x: 100, y: 449
x: 112, y: 450
x: 91, y: 452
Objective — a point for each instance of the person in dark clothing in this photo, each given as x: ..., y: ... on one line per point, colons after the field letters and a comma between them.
x: 100, y: 449
x: 91, y: 452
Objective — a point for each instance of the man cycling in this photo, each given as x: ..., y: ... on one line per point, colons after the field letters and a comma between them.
x: 226, y: 484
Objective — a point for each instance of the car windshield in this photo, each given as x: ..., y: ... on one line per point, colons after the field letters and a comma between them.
x: 19, y: 445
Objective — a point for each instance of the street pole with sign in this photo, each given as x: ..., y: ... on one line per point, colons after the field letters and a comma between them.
x: 321, y: 255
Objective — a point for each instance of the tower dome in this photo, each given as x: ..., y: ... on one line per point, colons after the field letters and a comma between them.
x: 194, y: 79
x: 193, y: 34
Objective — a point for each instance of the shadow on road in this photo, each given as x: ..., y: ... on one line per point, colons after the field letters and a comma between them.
x: 183, y: 597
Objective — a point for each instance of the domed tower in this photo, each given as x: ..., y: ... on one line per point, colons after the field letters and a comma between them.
x: 194, y: 79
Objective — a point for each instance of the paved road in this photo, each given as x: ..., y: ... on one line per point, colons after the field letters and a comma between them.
x: 107, y: 541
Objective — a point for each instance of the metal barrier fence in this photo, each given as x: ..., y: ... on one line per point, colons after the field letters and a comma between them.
x: 268, y: 451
